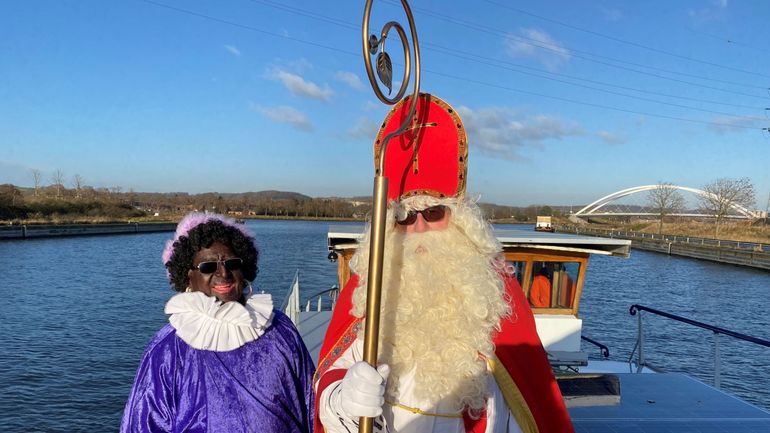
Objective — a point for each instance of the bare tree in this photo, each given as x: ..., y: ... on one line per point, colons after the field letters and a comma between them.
x: 665, y: 199
x: 113, y: 193
x: 57, y: 178
x: 767, y: 210
x: 36, y: 177
x: 722, y: 194
x: 77, y: 183
x: 131, y: 196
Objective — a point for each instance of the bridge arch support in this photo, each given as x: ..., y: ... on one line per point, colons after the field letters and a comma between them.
x: 594, y: 207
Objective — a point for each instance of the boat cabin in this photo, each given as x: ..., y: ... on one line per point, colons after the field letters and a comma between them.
x: 543, y: 224
x: 550, y: 268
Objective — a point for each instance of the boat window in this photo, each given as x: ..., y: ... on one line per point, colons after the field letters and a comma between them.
x: 565, y: 276
x: 517, y: 268
x: 552, y: 284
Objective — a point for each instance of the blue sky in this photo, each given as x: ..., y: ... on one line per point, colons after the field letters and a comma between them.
x: 566, y: 101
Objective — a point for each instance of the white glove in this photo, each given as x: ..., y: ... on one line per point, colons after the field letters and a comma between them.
x: 362, y: 392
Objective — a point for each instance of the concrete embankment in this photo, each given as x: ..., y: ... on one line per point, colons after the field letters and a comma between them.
x: 723, y: 251
x: 55, y: 230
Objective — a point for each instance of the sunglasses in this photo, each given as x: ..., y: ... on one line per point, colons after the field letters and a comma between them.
x: 211, y: 267
x: 431, y: 215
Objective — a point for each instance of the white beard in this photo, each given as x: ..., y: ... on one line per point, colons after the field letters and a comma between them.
x: 441, y: 301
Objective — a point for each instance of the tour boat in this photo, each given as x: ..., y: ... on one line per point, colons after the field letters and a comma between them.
x: 601, y: 395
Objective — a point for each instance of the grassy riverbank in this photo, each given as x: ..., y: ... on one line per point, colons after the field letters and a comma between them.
x: 735, y: 231
x: 741, y: 231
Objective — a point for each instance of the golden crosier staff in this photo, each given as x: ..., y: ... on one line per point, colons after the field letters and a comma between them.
x: 380, y: 195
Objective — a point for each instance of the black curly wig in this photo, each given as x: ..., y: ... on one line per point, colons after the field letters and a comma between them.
x: 203, y: 236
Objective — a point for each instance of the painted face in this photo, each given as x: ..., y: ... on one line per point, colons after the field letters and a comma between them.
x: 226, y: 283
x: 421, y: 224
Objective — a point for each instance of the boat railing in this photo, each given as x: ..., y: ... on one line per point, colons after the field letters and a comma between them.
x: 639, y: 347
x: 318, y: 299
x: 290, y: 305
x: 605, y: 351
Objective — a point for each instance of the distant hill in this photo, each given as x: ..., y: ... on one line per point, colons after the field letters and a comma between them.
x: 268, y: 195
x: 269, y: 202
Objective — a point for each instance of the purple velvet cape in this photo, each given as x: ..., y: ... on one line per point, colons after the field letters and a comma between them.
x: 263, y: 386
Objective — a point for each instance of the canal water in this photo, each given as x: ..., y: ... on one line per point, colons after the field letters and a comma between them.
x: 77, y: 313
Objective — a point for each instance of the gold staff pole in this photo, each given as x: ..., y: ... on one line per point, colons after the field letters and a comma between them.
x: 380, y: 195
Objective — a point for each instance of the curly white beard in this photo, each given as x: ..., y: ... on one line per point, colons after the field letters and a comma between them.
x: 441, y: 301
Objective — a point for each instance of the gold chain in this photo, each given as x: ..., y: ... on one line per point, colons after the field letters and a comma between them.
x: 422, y: 412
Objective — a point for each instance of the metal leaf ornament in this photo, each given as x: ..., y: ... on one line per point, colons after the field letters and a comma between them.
x: 385, y: 70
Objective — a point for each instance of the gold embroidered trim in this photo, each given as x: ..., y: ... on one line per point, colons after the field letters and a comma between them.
x: 422, y: 412
x: 513, y: 398
x: 336, y: 351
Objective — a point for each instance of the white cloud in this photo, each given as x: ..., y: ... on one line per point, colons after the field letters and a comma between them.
x: 301, y: 87
x: 611, y: 14
x: 365, y: 128
x: 233, y: 50
x: 350, y: 79
x: 611, y: 138
x: 286, y: 114
x: 370, y: 106
x: 729, y: 124
x: 507, y: 133
x: 539, y: 45
x: 715, y: 12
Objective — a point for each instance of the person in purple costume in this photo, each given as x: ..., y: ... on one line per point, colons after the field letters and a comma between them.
x: 227, y: 361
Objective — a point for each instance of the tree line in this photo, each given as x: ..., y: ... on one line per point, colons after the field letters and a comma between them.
x: 55, y: 200
x: 75, y: 200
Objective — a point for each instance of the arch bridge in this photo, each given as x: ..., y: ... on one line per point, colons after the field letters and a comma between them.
x: 605, y: 206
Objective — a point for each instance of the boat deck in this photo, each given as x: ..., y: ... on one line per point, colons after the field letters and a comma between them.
x: 312, y: 326
x: 668, y: 403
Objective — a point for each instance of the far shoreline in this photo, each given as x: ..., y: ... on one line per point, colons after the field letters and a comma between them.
x: 743, y: 233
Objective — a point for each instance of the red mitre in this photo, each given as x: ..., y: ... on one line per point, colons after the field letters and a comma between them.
x: 430, y: 157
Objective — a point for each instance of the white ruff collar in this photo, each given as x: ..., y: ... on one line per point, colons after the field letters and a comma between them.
x: 206, y: 323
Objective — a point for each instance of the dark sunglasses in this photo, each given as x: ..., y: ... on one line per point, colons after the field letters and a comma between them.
x: 431, y: 215
x: 211, y: 267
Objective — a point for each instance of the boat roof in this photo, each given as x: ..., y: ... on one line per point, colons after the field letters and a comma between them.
x: 342, y: 237
x: 670, y: 402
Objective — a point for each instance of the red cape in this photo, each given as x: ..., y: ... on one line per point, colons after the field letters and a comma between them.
x: 518, y: 348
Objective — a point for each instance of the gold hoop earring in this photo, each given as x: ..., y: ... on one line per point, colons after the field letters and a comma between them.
x: 188, y: 289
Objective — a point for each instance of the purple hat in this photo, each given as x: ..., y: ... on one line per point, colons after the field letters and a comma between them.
x: 194, y: 219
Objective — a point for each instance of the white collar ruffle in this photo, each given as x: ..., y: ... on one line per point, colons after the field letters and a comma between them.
x: 206, y: 323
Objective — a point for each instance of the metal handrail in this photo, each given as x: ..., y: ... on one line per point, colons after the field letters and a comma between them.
x: 679, y: 239
x: 602, y: 348
x: 715, y: 329
x: 333, y: 292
